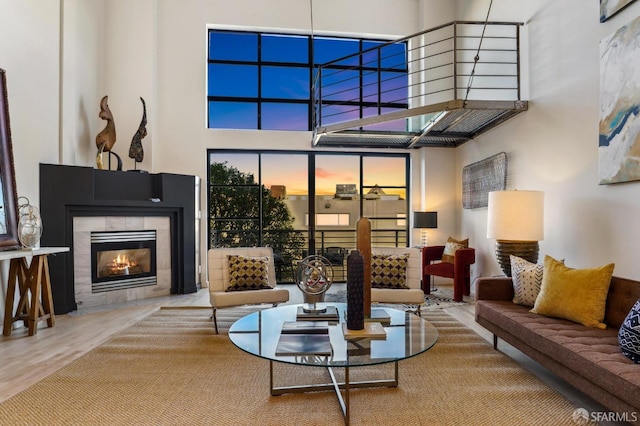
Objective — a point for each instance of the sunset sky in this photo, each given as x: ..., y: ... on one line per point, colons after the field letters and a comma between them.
x: 290, y: 170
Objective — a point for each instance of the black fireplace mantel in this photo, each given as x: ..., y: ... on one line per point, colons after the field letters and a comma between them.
x: 70, y: 191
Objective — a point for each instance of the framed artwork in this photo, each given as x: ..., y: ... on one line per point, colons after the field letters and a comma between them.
x: 608, y: 8
x: 482, y: 177
x: 8, y: 196
x: 619, y: 128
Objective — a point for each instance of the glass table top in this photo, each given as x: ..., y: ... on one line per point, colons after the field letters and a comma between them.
x: 407, y: 335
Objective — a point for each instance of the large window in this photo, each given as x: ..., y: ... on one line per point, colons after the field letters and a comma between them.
x: 264, y: 80
x: 254, y: 201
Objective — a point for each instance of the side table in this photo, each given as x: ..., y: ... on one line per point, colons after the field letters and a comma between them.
x: 34, y: 287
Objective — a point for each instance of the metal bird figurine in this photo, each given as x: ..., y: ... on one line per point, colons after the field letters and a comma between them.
x: 135, y: 150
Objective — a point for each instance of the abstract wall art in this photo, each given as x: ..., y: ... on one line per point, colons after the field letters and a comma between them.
x: 619, y: 140
x: 608, y: 8
x: 482, y: 177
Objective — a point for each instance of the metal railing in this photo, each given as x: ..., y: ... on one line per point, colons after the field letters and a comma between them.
x: 290, y: 246
x: 461, y: 60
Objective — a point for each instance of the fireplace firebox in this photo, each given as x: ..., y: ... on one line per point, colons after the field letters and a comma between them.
x: 122, y: 259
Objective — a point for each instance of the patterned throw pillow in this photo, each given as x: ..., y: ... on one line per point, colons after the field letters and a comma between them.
x: 389, y: 271
x: 527, y: 278
x: 450, y: 248
x: 629, y: 334
x: 248, y: 273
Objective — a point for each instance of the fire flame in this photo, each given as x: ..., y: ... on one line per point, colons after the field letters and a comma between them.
x: 121, y: 262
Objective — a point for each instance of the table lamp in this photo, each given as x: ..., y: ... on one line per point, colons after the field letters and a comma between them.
x: 516, y: 220
x: 424, y: 221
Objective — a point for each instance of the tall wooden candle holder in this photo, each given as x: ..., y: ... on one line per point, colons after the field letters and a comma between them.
x: 363, y: 243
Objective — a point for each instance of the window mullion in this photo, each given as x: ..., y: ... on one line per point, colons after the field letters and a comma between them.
x: 260, y: 91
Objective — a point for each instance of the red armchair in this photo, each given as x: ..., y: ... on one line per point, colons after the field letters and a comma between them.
x: 459, y: 270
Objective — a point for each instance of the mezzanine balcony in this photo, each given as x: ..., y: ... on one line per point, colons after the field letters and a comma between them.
x: 461, y: 80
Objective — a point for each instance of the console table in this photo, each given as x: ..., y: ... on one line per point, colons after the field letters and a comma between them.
x: 34, y: 287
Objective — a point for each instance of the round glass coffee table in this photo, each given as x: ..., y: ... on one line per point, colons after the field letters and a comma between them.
x: 406, y: 335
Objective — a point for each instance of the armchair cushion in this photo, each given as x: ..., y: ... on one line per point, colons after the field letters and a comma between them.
x: 451, y: 247
x: 248, y: 273
x: 440, y: 269
x: 389, y: 271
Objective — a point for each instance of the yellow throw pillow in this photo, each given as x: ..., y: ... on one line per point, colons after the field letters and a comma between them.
x: 578, y: 295
x: 450, y: 248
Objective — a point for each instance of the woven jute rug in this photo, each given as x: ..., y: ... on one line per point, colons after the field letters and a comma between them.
x: 171, y: 369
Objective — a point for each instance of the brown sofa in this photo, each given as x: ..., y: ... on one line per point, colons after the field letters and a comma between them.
x: 588, y: 358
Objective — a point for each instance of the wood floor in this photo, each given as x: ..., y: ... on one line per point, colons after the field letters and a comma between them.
x: 28, y: 359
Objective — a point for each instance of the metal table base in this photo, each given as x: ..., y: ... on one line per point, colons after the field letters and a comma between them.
x: 336, y: 386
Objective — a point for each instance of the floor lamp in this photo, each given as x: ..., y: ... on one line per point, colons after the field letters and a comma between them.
x: 424, y: 221
x: 516, y: 220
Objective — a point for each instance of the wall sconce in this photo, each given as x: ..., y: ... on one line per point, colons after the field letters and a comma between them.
x: 424, y: 221
x: 516, y: 220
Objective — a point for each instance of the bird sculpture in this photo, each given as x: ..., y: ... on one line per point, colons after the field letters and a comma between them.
x: 107, y: 137
x: 135, y: 150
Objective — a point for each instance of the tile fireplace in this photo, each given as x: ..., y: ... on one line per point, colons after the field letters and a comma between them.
x: 78, y: 202
x: 121, y: 259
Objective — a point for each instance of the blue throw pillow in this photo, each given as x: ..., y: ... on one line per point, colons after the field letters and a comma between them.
x: 629, y: 334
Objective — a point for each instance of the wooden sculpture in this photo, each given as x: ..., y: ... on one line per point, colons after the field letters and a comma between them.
x: 107, y: 137
x: 363, y: 243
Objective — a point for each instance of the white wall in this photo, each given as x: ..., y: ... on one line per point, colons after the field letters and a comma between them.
x: 553, y: 147
x: 82, y: 80
x: 129, y: 67
x: 29, y: 53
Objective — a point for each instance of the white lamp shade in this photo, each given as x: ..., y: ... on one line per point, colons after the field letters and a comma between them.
x: 516, y: 215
